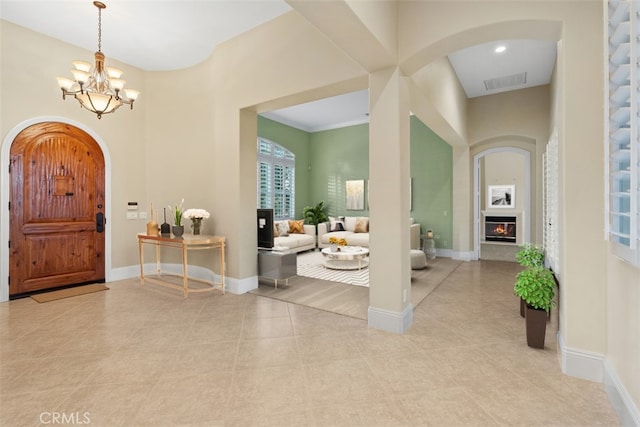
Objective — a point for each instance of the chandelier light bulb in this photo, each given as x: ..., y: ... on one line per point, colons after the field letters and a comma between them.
x: 96, y: 87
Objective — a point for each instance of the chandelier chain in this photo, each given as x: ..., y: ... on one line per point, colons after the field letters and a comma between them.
x: 99, y: 29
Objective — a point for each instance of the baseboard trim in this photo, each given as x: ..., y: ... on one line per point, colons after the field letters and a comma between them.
x: 463, y: 255
x: 232, y: 285
x: 241, y: 286
x: 390, y: 321
x: 580, y: 363
x: 123, y: 273
x: 620, y: 398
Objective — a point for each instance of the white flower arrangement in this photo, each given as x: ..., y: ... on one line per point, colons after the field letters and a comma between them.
x: 196, y: 213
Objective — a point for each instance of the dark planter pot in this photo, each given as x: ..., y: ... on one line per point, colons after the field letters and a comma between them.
x: 523, y: 307
x: 177, y: 230
x: 536, y: 325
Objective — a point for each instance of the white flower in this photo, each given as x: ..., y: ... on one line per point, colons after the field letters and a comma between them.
x: 196, y: 213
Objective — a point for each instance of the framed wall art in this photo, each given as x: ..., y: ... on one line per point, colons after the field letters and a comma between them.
x: 355, y: 195
x: 501, y: 196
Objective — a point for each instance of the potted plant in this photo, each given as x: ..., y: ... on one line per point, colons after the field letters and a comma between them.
x: 529, y: 255
x: 536, y: 287
x: 176, y: 211
x: 314, y: 215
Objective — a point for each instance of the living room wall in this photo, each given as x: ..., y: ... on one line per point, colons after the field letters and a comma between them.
x: 326, y: 159
x: 432, y: 173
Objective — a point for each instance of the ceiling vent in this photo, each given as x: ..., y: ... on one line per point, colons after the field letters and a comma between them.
x: 506, y: 81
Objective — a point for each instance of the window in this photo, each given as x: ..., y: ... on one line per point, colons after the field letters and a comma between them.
x: 623, y: 144
x: 276, y: 179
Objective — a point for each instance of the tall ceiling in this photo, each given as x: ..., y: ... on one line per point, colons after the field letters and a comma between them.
x: 169, y: 35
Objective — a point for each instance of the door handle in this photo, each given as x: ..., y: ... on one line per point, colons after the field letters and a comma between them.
x: 100, y: 222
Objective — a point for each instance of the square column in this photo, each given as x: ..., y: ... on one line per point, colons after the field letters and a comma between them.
x: 389, y: 168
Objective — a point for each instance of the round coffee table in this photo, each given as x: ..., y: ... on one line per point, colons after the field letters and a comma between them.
x: 347, y: 258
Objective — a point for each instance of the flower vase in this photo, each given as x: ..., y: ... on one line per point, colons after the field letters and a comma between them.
x: 196, y: 223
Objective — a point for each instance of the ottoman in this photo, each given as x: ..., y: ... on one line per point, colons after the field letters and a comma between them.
x: 418, y: 259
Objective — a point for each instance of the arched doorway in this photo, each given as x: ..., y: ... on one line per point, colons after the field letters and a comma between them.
x: 58, y: 186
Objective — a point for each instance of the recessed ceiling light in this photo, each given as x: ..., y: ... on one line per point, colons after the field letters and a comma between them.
x: 500, y: 49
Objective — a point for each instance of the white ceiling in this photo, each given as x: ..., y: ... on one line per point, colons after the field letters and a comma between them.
x: 172, y: 34
x: 152, y: 35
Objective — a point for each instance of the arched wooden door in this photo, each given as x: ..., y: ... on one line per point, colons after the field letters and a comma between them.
x: 56, y: 208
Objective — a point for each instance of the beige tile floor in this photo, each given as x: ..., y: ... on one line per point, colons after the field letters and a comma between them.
x: 143, y: 356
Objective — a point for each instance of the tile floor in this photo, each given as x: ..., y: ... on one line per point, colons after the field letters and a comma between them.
x: 143, y: 356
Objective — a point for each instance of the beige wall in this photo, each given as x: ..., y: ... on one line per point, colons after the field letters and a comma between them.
x: 504, y: 168
x: 210, y: 133
x: 30, y: 64
x: 623, y: 323
x: 519, y: 119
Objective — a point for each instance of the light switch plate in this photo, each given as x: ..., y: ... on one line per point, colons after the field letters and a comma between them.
x: 132, y: 215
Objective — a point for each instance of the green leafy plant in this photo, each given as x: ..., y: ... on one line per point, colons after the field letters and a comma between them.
x: 530, y: 255
x: 315, y: 214
x: 535, y: 286
x: 176, y: 211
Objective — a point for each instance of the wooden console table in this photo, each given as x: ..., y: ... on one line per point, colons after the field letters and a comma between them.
x: 185, y: 243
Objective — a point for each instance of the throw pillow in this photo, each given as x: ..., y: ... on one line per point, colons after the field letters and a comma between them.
x: 275, y: 231
x: 362, y: 225
x: 337, y: 224
x: 283, y: 228
x: 296, y: 227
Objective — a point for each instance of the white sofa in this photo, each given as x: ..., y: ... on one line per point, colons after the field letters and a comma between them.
x: 359, y: 239
x: 298, y: 242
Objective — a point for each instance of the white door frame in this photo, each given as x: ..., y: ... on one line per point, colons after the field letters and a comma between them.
x: 5, y: 155
x: 526, y: 226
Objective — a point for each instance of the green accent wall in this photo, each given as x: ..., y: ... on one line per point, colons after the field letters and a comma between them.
x: 326, y: 159
x: 339, y: 155
x: 432, y: 173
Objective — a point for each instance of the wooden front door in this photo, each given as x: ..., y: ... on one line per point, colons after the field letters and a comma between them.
x: 56, y: 208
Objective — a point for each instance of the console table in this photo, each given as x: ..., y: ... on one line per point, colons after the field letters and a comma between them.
x: 185, y: 243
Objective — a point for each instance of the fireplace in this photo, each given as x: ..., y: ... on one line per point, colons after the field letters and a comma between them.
x: 500, y: 229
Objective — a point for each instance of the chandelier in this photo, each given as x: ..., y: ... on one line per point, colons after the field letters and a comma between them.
x: 99, y: 89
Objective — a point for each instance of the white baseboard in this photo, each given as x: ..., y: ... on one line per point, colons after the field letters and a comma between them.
x: 241, y: 286
x: 580, y: 363
x: 463, y: 255
x: 620, y: 398
x: 123, y: 273
x: 234, y: 286
x: 391, y: 321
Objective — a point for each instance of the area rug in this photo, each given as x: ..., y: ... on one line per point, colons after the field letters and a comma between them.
x: 310, y: 265
x: 68, y: 293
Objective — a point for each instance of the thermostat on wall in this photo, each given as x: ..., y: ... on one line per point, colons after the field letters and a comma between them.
x: 132, y: 206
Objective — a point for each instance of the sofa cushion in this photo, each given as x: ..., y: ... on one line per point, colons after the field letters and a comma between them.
x: 362, y: 225
x: 296, y: 227
x: 282, y: 227
x: 293, y: 241
x: 337, y: 224
x: 350, y: 223
x: 358, y: 239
